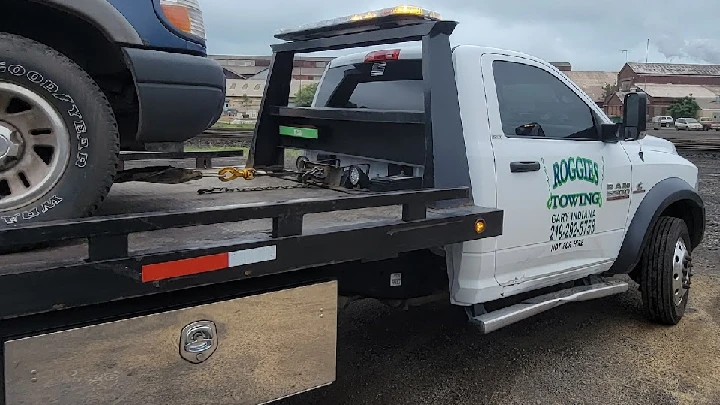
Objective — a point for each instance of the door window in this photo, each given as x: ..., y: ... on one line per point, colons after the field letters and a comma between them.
x: 534, y: 103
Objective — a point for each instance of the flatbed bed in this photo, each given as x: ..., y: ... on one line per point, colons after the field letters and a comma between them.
x: 138, y: 198
x: 141, y: 241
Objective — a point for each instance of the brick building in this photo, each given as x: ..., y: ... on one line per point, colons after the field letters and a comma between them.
x: 665, y: 83
x: 633, y: 74
x: 613, y: 104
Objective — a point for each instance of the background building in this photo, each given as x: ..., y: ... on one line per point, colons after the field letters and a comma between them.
x: 635, y: 74
x: 246, y: 67
x: 666, y: 83
x: 246, y: 77
x: 592, y: 82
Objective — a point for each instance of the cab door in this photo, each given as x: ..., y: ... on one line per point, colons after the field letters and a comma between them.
x: 553, y: 175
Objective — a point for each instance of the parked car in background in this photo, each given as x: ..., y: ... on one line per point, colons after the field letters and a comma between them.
x: 708, y: 123
x: 662, y: 121
x: 688, y: 124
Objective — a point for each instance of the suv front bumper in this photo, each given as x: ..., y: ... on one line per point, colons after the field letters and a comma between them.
x: 180, y: 95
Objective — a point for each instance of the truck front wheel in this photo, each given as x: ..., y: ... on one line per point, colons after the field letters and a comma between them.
x: 666, y: 271
x: 58, y: 135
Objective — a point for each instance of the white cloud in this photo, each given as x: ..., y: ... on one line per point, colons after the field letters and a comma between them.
x: 587, y: 34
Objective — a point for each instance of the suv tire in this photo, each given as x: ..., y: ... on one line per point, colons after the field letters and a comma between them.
x: 63, y: 106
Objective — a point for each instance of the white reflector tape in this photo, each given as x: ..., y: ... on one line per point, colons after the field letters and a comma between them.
x: 249, y: 256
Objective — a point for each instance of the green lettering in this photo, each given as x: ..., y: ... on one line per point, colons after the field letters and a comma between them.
x: 556, y: 175
x: 588, y: 173
x: 595, y: 173
x: 563, y: 201
x: 572, y: 169
x: 552, y: 202
x: 580, y: 167
x: 564, y: 170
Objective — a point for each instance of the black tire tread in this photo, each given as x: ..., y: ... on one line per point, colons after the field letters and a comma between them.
x: 104, y: 103
x: 655, y: 282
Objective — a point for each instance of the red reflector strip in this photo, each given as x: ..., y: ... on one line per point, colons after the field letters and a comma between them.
x: 204, y: 264
x: 378, y: 56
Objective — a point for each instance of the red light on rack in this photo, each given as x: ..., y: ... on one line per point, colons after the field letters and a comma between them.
x: 379, y: 56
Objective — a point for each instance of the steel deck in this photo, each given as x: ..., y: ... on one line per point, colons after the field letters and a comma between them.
x: 151, y: 249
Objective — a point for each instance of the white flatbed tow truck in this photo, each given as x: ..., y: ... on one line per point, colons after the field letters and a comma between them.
x: 516, y: 194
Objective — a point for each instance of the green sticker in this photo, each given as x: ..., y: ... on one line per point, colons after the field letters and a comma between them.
x: 309, y: 133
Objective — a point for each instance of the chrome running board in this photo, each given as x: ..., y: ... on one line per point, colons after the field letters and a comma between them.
x: 492, y: 321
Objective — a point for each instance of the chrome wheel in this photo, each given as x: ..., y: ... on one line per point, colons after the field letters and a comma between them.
x: 34, y: 146
x: 681, y: 272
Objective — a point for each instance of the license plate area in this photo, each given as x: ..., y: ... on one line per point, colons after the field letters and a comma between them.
x: 248, y: 350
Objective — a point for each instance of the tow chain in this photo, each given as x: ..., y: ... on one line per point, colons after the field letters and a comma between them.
x: 231, y: 173
x: 217, y: 190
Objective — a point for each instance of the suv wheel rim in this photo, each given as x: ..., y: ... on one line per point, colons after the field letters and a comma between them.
x: 34, y: 146
x: 681, y: 269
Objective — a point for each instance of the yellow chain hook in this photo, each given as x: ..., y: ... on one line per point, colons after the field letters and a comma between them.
x: 232, y: 173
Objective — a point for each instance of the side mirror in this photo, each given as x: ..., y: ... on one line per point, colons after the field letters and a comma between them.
x: 634, y: 115
x: 611, y: 133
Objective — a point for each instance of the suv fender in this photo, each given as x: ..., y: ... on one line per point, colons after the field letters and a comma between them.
x: 659, y: 200
x: 101, y: 14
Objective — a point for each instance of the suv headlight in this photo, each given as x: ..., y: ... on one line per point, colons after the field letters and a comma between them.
x: 184, y: 15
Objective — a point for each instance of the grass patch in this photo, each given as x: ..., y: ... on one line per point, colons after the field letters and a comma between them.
x: 240, y: 127
x: 215, y: 149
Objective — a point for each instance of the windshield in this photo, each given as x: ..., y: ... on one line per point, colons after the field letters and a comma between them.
x: 395, y: 85
x: 691, y: 120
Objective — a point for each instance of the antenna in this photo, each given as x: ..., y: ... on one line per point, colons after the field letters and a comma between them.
x: 647, y: 53
x: 625, y: 51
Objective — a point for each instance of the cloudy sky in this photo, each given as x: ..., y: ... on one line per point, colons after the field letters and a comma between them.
x: 588, y: 34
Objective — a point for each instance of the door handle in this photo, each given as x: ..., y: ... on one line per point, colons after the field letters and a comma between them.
x: 523, y: 167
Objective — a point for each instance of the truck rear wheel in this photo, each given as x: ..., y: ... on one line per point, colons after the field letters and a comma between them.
x: 666, y: 271
x: 58, y: 136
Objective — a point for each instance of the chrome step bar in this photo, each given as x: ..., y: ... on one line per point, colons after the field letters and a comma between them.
x: 492, y: 321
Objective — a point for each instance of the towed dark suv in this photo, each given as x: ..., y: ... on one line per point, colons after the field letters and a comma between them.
x: 80, y: 80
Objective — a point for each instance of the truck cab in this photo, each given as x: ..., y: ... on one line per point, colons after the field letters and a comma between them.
x: 576, y: 204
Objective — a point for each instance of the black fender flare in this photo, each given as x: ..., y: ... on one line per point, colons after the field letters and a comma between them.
x: 656, y: 201
x: 102, y: 15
